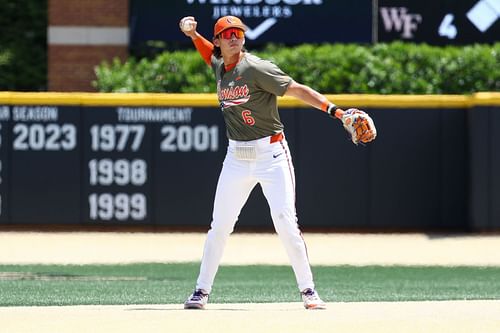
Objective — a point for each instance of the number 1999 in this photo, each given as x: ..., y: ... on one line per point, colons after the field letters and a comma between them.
x: 121, y: 206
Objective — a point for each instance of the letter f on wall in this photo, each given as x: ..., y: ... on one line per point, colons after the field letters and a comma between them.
x: 398, y: 19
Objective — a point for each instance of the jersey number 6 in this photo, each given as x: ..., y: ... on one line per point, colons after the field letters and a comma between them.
x: 247, y: 117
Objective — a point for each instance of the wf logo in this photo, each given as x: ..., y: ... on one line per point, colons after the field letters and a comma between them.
x: 398, y: 19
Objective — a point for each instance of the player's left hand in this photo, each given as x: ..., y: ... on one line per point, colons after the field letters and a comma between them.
x: 358, y: 124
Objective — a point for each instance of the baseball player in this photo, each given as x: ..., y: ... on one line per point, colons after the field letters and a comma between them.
x: 247, y: 88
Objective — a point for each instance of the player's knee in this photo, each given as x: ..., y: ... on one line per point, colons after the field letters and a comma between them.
x: 284, y: 219
x: 221, y: 229
x: 284, y: 213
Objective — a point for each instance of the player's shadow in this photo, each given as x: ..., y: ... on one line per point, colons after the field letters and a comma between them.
x: 208, y: 309
x: 181, y: 309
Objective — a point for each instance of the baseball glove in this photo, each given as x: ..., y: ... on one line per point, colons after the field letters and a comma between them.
x: 359, y: 125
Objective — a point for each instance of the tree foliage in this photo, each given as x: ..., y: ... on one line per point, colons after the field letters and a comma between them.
x: 23, y: 45
x: 395, y: 68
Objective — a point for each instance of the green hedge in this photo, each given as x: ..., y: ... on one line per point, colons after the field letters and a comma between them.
x: 23, y: 45
x: 396, y: 68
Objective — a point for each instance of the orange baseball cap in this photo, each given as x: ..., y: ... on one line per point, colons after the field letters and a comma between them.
x: 227, y: 22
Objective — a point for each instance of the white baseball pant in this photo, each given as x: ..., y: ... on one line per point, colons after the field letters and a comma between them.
x: 266, y: 161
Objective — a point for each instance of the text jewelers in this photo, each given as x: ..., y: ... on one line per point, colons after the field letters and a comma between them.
x: 254, y: 8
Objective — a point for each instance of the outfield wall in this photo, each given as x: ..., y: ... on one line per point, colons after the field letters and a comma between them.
x: 154, y: 159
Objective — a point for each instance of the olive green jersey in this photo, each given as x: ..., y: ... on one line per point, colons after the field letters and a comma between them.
x: 248, y: 97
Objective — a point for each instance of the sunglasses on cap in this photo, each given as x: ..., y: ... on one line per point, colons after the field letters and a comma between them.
x: 228, y: 33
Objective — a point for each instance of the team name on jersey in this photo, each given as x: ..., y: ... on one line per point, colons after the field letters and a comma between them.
x: 231, y: 93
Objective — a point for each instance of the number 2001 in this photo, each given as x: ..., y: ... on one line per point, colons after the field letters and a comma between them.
x: 186, y: 138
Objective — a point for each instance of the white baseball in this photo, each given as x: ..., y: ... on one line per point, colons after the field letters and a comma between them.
x: 187, y: 25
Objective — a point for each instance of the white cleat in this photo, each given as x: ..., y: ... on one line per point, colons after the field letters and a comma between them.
x: 197, y: 300
x: 311, y: 300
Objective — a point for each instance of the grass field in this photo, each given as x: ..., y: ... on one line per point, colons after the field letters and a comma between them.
x: 34, y: 285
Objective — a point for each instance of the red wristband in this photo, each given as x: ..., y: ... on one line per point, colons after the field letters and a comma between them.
x: 324, y: 106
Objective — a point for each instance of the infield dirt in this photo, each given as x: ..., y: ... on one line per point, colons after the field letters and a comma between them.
x: 245, y: 249
x: 324, y: 249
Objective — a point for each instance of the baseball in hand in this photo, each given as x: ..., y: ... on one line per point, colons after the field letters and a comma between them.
x: 187, y: 25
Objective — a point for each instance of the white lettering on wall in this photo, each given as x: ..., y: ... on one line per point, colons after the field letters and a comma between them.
x: 398, y: 19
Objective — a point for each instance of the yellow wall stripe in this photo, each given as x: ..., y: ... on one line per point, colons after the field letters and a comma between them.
x: 210, y: 100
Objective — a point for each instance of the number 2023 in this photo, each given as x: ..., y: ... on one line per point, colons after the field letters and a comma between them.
x: 44, y: 137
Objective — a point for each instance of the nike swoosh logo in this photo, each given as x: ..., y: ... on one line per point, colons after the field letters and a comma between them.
x: 260, y: 29
x: 276, y: 155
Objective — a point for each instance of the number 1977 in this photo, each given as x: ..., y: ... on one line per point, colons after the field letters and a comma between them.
x: 116, y: 137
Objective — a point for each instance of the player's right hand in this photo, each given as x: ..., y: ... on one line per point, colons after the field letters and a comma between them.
x: 188, y: 26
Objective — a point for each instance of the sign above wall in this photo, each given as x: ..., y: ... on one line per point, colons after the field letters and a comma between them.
x: 440, y: 22
x: 278, y: 21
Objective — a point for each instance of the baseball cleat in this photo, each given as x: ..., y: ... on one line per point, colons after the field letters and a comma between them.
x: 311, y: 300
x: 197, y: 300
